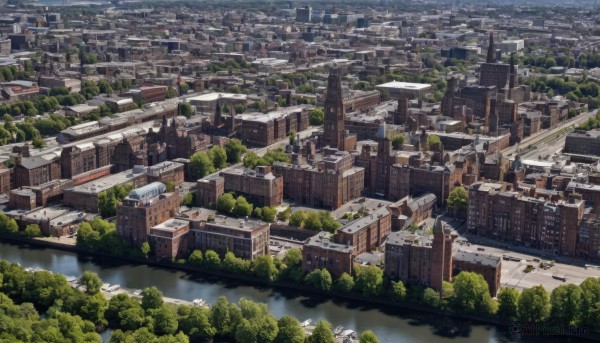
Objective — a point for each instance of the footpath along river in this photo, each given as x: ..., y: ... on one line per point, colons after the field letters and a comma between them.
x: 389, y: 324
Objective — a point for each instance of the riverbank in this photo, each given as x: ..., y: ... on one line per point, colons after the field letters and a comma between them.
x: 285, y: 292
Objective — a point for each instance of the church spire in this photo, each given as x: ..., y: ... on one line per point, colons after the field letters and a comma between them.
x: 491, y: 54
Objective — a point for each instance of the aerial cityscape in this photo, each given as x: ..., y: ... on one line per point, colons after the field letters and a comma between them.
x: 299, y: 171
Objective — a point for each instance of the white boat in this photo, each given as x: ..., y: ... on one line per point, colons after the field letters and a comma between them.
x: 338, y: 329
x: 199, y: 302
x: 137, y: 292
x: 306, y: 323
x: 114, y: 288
x: 348, y: 333
x: 105, y: 287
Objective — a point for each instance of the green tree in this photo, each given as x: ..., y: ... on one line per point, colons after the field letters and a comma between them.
x: 201, y: 165
x: 242, y: 207
x: 590, y: 303
x: 398, y: 291
x: 184, y: 88
x: 398, y: 141
x: 368, y: 337
x: 225, y: 203
x: 297, y: 218
x: 431, y: 297
x: 235, y: 264
x: 433, y: 141
x: 285, y: 214
x: 345, y: 283
x: 32, y: 230
x: 197, y: 324
x: 171, y: 92
x: 239, y: 108
x: 132, y: 318
x: 290, y: 331
x: 369, y: 280
x: 458, y: 199
x: 165, y: 320
x: 508, y: 304
x: 218, y: 157
x: 312, y: 221
x: 566, y: 304
x: 268, y: 214
x: 245, y: 332
x: 322, y: 333
x: 221, y: 317
x: 186, y: 110
x: 234, y: 150
x: 145, y: 249
x: 471, y: 293
x: 38, y: 142
x: 316, y: 116
x: 265, y: 268
x: 328, y: 222
x: 212, y: 259
x: 152, y: 298
x: 319, y: 279
x: 91, y: 281
x: 534, y: 305
x: 196, y: 258
x: 292, y: 136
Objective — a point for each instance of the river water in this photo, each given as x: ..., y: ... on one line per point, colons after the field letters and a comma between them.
x: 389, y: 324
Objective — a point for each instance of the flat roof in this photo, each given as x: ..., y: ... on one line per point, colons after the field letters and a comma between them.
x: 476, y: 258
x: 405, y: 85
x: 214, y: 96
x: 170, y: 225
x: 236, y: 223
x: 107, y: 182
x: 323, y: 240
x: 365, y: 221
x: 406, y: 237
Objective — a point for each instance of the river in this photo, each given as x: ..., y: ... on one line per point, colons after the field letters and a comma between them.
x: 389, y: 324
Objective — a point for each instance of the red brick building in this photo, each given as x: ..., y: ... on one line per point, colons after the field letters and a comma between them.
x: 263, y: 129
x: 169, y: 238
x: 334, y: 133
x: 512, y: 217
x: 142, y: 209
x: 490, y: 267
x: 337, y: 252
x: 320, y: 252
x: 321, y: 188
x: 425, y: 260
x: 247, y: 239
x: 208, y: 190
x: 260, y: 187
x: 366, y: 233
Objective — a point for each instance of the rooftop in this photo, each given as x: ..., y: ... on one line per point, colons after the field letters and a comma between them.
x: 408, y: 238
x: 215, y: 96
x: 235, y: 223
x: 365, y: 221
x: 171, y: 225
x: 105, y: 183
x: 476, y: 258
x: 405, y: 85
x: 323, y: 240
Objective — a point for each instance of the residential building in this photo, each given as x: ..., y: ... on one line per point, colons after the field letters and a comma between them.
x: 145, y: 208
x: 247, y: 239
x: 260, y: 187
x: 488, y: 266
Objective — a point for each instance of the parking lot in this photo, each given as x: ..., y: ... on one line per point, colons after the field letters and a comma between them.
x: 514, y: 265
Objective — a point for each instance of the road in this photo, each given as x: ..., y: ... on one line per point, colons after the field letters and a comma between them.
x: 513, y: 272
x: 547, y: 134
